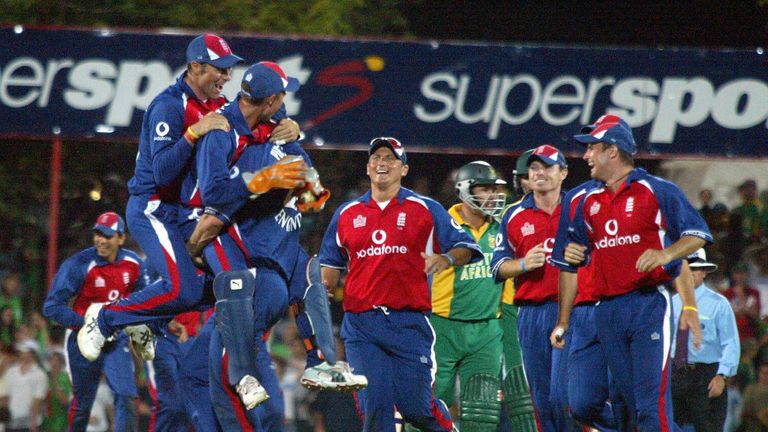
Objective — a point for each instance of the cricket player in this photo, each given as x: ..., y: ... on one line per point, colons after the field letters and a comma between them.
x: 522, y: 249
x: 102, y: 273
x: 634, y: 228
x: 585, y: 387
x: 465, y: 306
x: 173, y: 123
x: 391, y: 240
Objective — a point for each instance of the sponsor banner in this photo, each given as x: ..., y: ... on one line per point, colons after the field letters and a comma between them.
x: 483, y: 97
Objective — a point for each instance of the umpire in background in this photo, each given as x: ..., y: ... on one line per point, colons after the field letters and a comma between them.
x: 699, y: 390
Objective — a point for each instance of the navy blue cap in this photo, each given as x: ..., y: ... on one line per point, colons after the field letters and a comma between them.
x: 265, y: 79
x: 610, y: 129
x: 212, y: 49
x: 393, y: 144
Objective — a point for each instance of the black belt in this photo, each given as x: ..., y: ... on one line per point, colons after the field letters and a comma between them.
x: 694, y: 366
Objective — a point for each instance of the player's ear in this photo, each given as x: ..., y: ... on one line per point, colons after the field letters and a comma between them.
x: 404, y: 171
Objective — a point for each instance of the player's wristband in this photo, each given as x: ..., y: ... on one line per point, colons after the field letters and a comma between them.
x: 192, y: 132
x: 451, y: 259
x: 522, y: 265
x: 191, y: 136
x: 690, y: 308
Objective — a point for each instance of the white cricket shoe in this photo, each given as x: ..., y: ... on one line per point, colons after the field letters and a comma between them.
x: 143, y: 341
x: 251, y: 392
x: 338, y: 377
x: 90, y: 341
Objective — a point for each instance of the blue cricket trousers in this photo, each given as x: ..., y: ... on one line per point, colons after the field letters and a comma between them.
x: 635, y: 331
x: 535, y: 323
x: 117, y: 365
x: 270, y: 301
x: 154, y: 226
x: 590, y: 383
x: 195, y: 381
x: 395, y: 351
x: 168, y: 414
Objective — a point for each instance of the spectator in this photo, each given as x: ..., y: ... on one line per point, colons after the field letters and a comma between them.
x: 758, y: 263
x: 715, y: 214
x: 755, y: 413
x: 39, y: 328
x: 7, y: 328
x: 745, y: 301
x: 10, y: 287
x: 705, y: 199
x: 56, y: 338
x: 59, y: 392
x: 749, y: 211
x: 25, y: 388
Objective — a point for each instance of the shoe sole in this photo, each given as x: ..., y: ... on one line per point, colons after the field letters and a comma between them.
x: 81, y: 341
x: 315, y: 385
x: 82, y: 337
x: 145, y: 354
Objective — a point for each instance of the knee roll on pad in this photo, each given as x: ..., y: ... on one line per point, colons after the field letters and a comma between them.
x: 480, y: 404
x: 517, y: 399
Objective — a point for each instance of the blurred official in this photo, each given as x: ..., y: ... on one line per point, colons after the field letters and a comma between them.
x: 699, y: 390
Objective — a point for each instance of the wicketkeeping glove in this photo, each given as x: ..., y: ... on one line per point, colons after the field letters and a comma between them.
x: 310, y: 203
x: 313, y: 196
x: 288, y: 173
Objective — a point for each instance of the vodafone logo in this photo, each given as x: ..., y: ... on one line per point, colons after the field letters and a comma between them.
x: 161, y: 130
x: 612, y: 240
x: 379, y: 237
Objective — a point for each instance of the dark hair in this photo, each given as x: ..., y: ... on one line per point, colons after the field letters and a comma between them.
x: 626, y: 158
x: 252, y: 100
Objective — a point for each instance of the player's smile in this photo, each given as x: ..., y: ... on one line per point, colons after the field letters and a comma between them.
x: 543, y: 178
x: 107, y: 247
x: 594, y: 155
x: 383, y: 166
x: 213, y: 80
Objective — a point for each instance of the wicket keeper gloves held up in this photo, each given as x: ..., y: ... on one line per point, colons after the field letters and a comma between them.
x: 313, y: 196
x: 287, y: 173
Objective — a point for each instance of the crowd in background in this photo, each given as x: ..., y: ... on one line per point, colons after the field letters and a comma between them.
x: 29, y: 343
